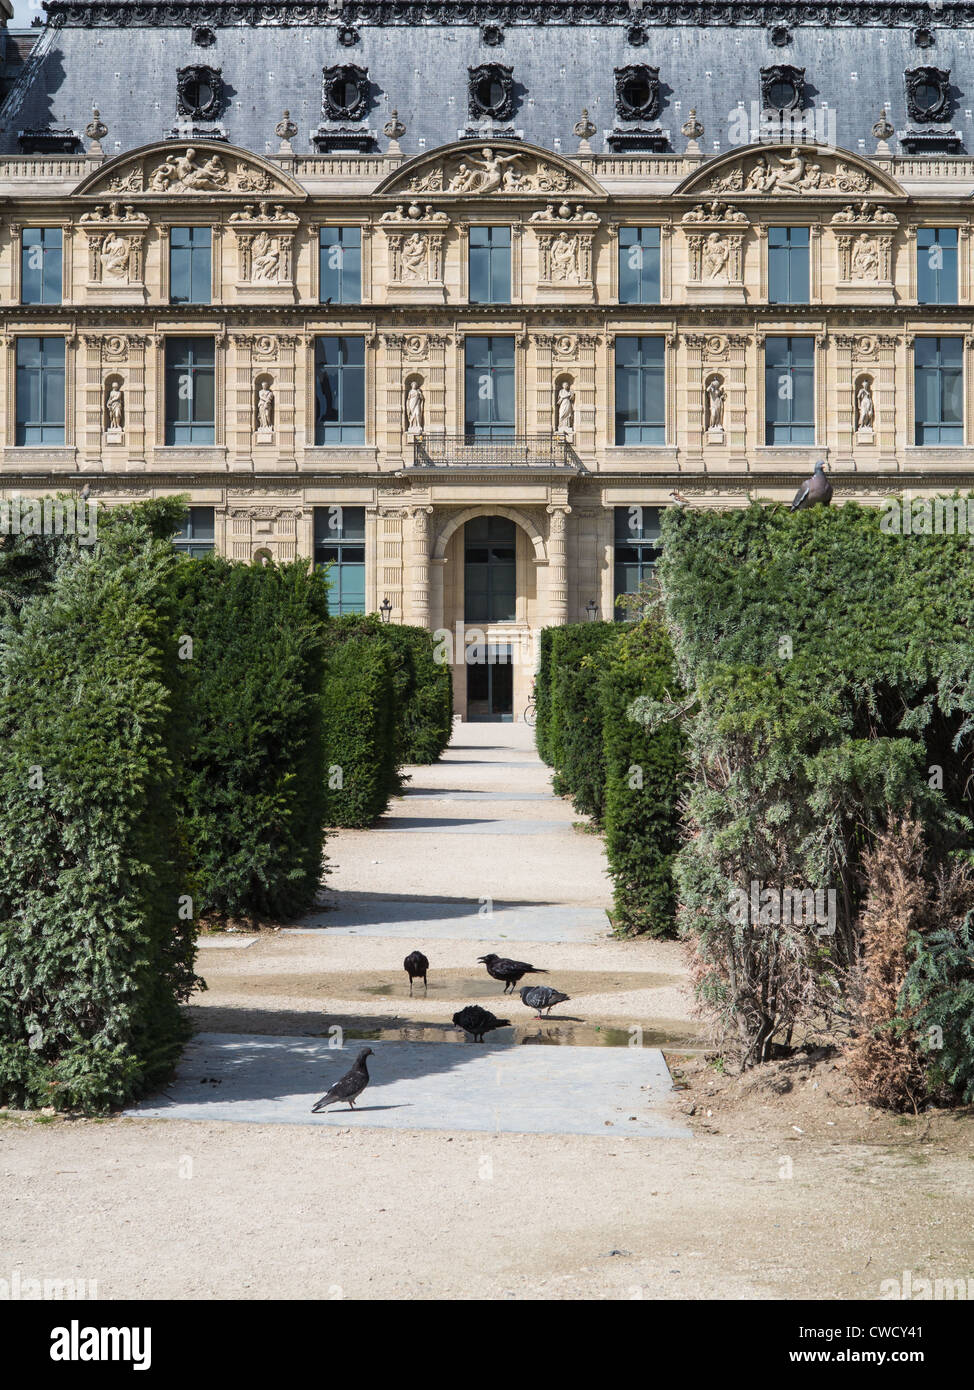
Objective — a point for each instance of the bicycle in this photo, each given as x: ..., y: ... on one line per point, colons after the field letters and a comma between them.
x: 530, y: 714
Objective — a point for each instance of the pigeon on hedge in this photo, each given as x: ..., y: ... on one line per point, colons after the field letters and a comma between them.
x: 477, y: 1021
x: 542, y: 997
x: 510, y: 971
x: 816, y: 489
x: 416, y: 966
x: 348, y: 1087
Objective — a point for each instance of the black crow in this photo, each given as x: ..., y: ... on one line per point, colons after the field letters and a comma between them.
x: 416, y: 966
x: 510, y: 971
x: 477, y: 1021
x: 348, y: 1087
x: 542, y: 997
x: 816, y: 489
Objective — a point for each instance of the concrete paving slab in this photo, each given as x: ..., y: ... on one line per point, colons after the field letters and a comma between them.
x: 460, y: 921
x: 455, y: 1087
x: 443, y: 794
x: 224, y: 943
x: 441, y: 826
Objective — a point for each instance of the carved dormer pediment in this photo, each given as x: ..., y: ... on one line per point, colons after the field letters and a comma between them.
x: 498, y: 168
x: 790, y: 171
x: 170, y: 170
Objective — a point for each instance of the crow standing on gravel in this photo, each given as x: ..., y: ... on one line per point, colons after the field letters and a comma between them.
x: 477, y: 1021
x: 542, y: 997
x: 416, y: 966
x: 510, y: 971
x: 348, y: 1087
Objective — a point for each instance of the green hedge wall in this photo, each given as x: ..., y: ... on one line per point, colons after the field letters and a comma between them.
x: 95, y: 956
x: 424, y: 692
x: 574, y: 720
x: 645, y: 780
x: 359, y: 704
x: 251, y: 785
x: 542, y: 696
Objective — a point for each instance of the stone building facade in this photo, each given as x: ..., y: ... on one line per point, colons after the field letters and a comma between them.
x: 468, y: 369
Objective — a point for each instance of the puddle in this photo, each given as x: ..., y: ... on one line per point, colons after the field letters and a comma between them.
x: 452, y: 985
x: 539, y: 1034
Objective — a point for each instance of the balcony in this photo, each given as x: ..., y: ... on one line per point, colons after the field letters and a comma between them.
x: 528, y: 451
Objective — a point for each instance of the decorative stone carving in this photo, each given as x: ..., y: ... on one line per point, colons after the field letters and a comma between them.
x: 715, y: 398
x: 412, y: 212
x: 565, y: 410
x: 782, y: 88
x: 490, y: 92
x: 345, y: 92
x: 415, y: 406
x: 489, y: 169
x: 928, y: 94
x: 865, y: 265
x: 564, y: 213
x: 716, y: 266
x: 798, y: 172
x: 200, y: 92
x: 265, y: 407
x: 565, y: 258
x: 116, y: 253
x: 96, y: 130
x: 637, y: 92
x: 865, y: 409
x: 866, y: 212
x: 415, y: 261
x: 114, y: 410
x: 285, y: 130
x: 265, y: 252
x: 714, y: 212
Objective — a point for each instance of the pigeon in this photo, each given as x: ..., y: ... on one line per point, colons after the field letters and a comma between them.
x: 349, y: 1086
x: 510, y: 971
x: 477, y: 1021
x: 542, y: 997
x: 416, y: 966
x: 815, y: 489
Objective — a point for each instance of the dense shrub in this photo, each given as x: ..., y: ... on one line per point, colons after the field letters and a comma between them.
x: 645, y: 778
x: 542, y: 696
x: 360, y: 729
x: 251, y: 783
x: 574, y: 720
x: 95, y: 956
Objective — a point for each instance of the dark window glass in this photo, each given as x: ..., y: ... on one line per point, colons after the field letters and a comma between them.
x: 639, y: 265
x: 640, y: 391
x: 190, y: 391
x: 490, y: 570
x: 490, y: 265
x: 636, y: 550
x: 195, y: 536
x: 489, y: 387
x: 190, y: 276
x: 789, y: 390
x: 939, y: 390
x: 782, y: 95
x: 937, y: 265
x: 41, y: 261
x: 340, y: 390
x: 340, y: 264
x: 40, y: 391
x: 340, y: 544
x: 788, y: 265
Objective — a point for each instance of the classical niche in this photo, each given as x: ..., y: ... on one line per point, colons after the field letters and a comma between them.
x: 565, y: 407
x: 564, y: 255
x: 200, y: 93
x: 485, y: 169
x: 186, y: 169
x: 714, y: 400
x: 637, y: 92
x: 782, y: 88
x: 113, y: 414
x: 265, y: 252
x: 345, y: 92
x: 265, y: 406
x: 864, y: 239
x: 414, y: 405
x: 490, y: 92
x: 928, y: 94
x: 715, y: 252
x: 796, y: 171
x: 865, y: 408
x: 116, y: 252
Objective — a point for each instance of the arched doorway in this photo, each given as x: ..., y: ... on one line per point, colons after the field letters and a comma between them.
x: 489, y: 599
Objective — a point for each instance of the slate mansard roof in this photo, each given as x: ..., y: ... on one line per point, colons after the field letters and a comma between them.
x: 124, y: 56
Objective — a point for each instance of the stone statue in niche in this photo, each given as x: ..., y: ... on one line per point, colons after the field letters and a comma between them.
x: 265, y: 409
x: 716, y: 396
x: 865, y: 259
x: 566, y: 409
x: 265, y: 258
x: 716, y: 252
x: 865, y: 409
x: 114, y: 256
x: 414, y: 258
x: 564, y: 257
x: 115, y: 408
x: 415, y: 408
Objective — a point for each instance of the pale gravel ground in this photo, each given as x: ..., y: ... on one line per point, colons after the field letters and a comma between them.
x: 210, y: 1210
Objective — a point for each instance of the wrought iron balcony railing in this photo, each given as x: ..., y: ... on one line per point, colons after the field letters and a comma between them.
x: 511, y: 451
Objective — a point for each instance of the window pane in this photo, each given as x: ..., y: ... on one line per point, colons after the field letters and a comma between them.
x: 340, y: 265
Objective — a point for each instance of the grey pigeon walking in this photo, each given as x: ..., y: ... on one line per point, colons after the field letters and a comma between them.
x: 348, y: 1087
x: 542, y: 997
x: 416, y: 966
x: 510, y: 971
x: 477, y: 1021
x: 814, y: 491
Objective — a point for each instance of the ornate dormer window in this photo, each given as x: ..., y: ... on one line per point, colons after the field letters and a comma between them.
x: 928, y: 94
x: 345, y: 95
x: 490, y: 92
x: 637, y: 92
x: 204, y: 36
x: 782, y: 88
x: 200, y: 92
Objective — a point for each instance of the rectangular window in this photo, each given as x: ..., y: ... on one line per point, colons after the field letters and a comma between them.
x: 639, y: 265
x: 40, y: 265
x: 340, y: 265
x: 937, y: 265
x: 640, y: 391
x: 490, y: 570
x: 340, y: 390
x: 789, y: 391
x: 195, y: 536
x: 788, y: 265
x: 40, y: 391
x: 190, y: 268
x: 489, y: 387
x: 340, y: 544
x: 637, y: 549
x: 190, y: 391
x: 938, y: 369
x: 490, y: 265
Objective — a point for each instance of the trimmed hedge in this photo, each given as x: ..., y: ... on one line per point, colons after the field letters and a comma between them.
x: 574, y: 719
x: 542, y: 696
x: 424, y: 693
x: 645, y: 779
x: 251, y: 785
x: 95, y: 955
x: 359, y: 703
